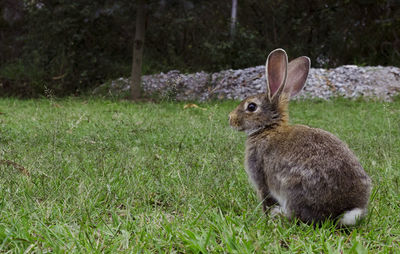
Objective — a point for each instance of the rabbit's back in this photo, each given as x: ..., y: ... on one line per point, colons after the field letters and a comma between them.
x: 312, y: 172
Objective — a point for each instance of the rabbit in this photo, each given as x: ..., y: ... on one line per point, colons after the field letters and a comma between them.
x: 307, y: 172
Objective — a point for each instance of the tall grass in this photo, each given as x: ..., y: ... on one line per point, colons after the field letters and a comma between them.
x: 105, y: 176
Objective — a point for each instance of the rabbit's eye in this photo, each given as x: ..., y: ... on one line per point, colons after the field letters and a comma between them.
x: 252, y: 107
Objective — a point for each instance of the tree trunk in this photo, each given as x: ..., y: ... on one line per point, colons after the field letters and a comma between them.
x: 233, y: 18
x: 138, y: 43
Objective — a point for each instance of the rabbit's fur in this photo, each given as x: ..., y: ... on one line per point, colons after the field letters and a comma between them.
x: 307, y: 172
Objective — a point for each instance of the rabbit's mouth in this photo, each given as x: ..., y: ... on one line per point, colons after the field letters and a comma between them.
x: 235, y: 123
x: 242, y: 127
x: 237, y: 128
x: 247, y: 131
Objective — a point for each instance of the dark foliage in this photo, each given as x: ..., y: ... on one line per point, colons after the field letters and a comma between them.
x: 71, y: 46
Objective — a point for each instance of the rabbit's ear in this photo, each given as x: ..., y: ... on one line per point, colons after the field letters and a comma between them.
x: 297, y: 75
x: 276, y: 72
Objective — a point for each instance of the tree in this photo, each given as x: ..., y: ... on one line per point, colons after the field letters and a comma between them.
x: 138, y: 44
x: 233, y: 18
x: 71, y: 47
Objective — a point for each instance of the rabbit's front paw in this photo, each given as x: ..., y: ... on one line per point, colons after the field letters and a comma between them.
x: 277, y: 211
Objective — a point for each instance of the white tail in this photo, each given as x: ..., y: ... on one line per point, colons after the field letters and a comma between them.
x: 351, y: 217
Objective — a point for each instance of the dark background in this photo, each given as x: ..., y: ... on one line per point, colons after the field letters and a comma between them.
x: 69, y: 47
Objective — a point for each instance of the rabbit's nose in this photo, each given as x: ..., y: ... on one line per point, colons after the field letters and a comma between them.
x: 231, y: 116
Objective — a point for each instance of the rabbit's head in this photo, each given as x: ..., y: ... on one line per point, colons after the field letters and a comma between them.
x: 269, y: 110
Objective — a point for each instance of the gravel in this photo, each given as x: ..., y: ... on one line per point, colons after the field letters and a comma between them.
x: 350, y: 81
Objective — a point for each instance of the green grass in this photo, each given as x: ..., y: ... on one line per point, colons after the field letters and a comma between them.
x: 107, y: 176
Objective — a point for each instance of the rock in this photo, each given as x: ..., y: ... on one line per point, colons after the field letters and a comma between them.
x: 349, y: 81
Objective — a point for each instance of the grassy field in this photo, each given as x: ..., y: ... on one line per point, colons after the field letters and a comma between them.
x: 104, y: 176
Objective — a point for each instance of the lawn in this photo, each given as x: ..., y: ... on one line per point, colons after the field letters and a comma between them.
x: 91, y: 175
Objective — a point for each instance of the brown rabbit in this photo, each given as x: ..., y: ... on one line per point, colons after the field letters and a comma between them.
x: 308, y: 172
